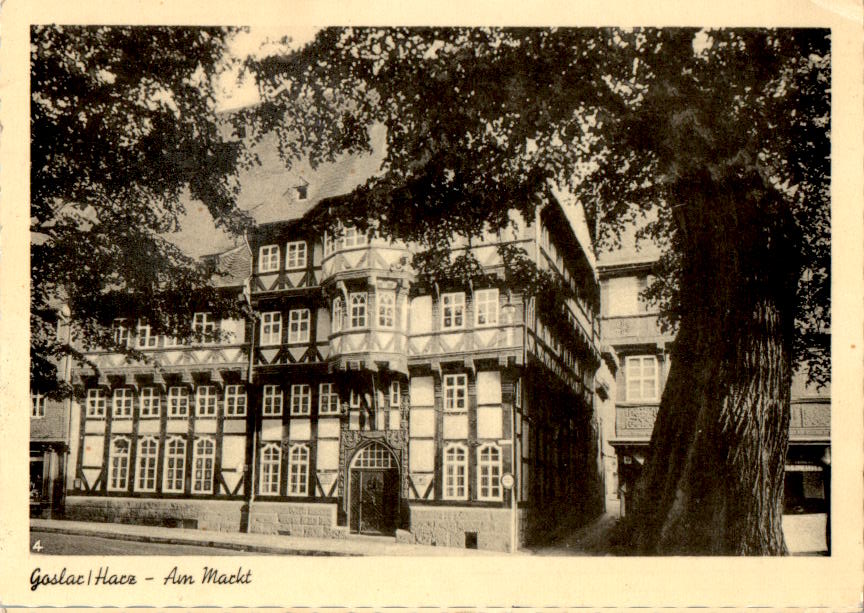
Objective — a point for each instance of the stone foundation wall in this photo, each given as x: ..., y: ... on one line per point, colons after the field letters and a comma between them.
x: 296, y: 518
x: 215, y: 515
x: 447, y: 527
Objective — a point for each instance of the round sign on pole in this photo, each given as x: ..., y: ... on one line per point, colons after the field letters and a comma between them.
x: 507, y: 480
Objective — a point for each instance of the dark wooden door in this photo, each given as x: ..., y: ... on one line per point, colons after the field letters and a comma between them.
x: 374, y: 500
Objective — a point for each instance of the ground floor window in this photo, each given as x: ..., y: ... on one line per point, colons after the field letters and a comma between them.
x: 298, y: 471
x: 489, y: 473
x: 175, y: 465
x: 202, y: 462
x: 271, y: 461
x: 147, y: 454
x: 455, y: 473
x: 118, y: 464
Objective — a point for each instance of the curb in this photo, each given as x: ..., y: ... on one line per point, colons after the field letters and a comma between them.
x: 169, y: 540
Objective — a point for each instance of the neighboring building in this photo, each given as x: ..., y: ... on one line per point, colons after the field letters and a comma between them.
x: 358, y: 399
x: 49, y: 432
x: 641, y: 357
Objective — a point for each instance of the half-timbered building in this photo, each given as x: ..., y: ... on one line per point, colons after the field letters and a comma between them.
x: 356, y: 399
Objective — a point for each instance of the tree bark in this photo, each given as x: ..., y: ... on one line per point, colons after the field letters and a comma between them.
x: 713, y: 480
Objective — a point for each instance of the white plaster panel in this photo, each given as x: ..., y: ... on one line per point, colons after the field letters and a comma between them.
x: 456, y: 426
x: 234, y: 426
x: 422, y: 422
x: 328, y: 455
x: 322, y: 330
x: 205, y: 426
x: 489, y: 423
x: 271, y: 429
x: 395, y: 419
x: 235, y: 328
x: 233, y: 452
x: 93, y: 448
x: 421, y: 315
x: 300, y: 430
x: 92, y: 426
x: 121, y: 426
x: 148, y: 426
x: 421, y: 455
x: 422, y: 391
x: 177, y: 425
x: 489, y: 387
x: 328, y: 427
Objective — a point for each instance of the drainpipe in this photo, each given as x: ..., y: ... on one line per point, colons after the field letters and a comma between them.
x: 66, y: 316
x: 247, y: 294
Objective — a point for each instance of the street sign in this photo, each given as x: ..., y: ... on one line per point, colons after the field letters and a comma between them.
x: 507, y: 480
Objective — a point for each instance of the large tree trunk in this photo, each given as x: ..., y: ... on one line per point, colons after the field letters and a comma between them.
x: 713, y: 480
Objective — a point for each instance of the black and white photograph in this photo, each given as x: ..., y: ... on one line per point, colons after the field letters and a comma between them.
x: 529, y: 294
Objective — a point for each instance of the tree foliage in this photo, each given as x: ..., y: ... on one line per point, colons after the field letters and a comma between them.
x: 123, y: 129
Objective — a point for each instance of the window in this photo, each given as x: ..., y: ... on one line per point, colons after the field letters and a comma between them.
x: 148, y: 452
x: 171, y: 341
x: 235, y: 400
x: 352, y: 238
x: 486, y: 307
x: 121, y: 332
x: 204, y: 325
x: 455, y: 392
x: 455, y: 473
x: 37, y: 405
x: 395, y: 394
x: 328, y: 399
x: 149, y: 402
x: 121, y: 407
x: 205, y: 401
x: 295, y: 255
x: 272, y: 400
x: 354, y: 400
x: 175, y: 465
x: 271, y: 328
x: 298, y: 471
x: 95, y: 403
x: 202, y: 463
x: 178, y: 402
x: 301, y: 399
x: 358, y: 310
x: 146, y: 339
x: 302, y: 192
x: 489, y: 473
x: 118, y: 464
x: 640, y: 373
x: 337, y: 314
x: 268, y: 258
x: 298, y: 326
x: 452, y: 311
x: 386, y: 309
x: 271, y: 469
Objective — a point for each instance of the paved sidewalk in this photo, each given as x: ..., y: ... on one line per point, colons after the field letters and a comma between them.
x: 354, y: 545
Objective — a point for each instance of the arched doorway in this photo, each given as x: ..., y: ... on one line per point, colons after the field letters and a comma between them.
x: 374, y: 491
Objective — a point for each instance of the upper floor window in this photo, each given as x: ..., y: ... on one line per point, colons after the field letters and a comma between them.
x: 95, y: 402
x: 121, y: 332
x: 386, y: 309
x: 641, y: 375
x: 302, y: 192
x: 298, y: 326
x: 122, y: 403
x: 452, y: 311
x: 149, y: 402
x: 178, y: 402
x: 358, y: 310
x: 455, y: 392
x: 394, y: 393
x: 268, y: 258
x: 235, y: 400
x: 489, y: 473
x: 272, y: 397
x: 37, y: 405
x: 486, y: 307
x: 295, y: 255
x: 351, y: 237
x: 328, y: 399
x: 338, y: 314
x: 301, y: 399
x: 146, y: 338
x: 354, y: 400
x: 204, y: 325
x: 205, y: 401
x: 271, y: 328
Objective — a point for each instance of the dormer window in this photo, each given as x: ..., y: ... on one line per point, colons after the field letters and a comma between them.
x: 302, y: 192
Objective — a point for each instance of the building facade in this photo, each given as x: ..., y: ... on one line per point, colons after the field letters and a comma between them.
x: 640, y: 357
x: 356, y: 399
